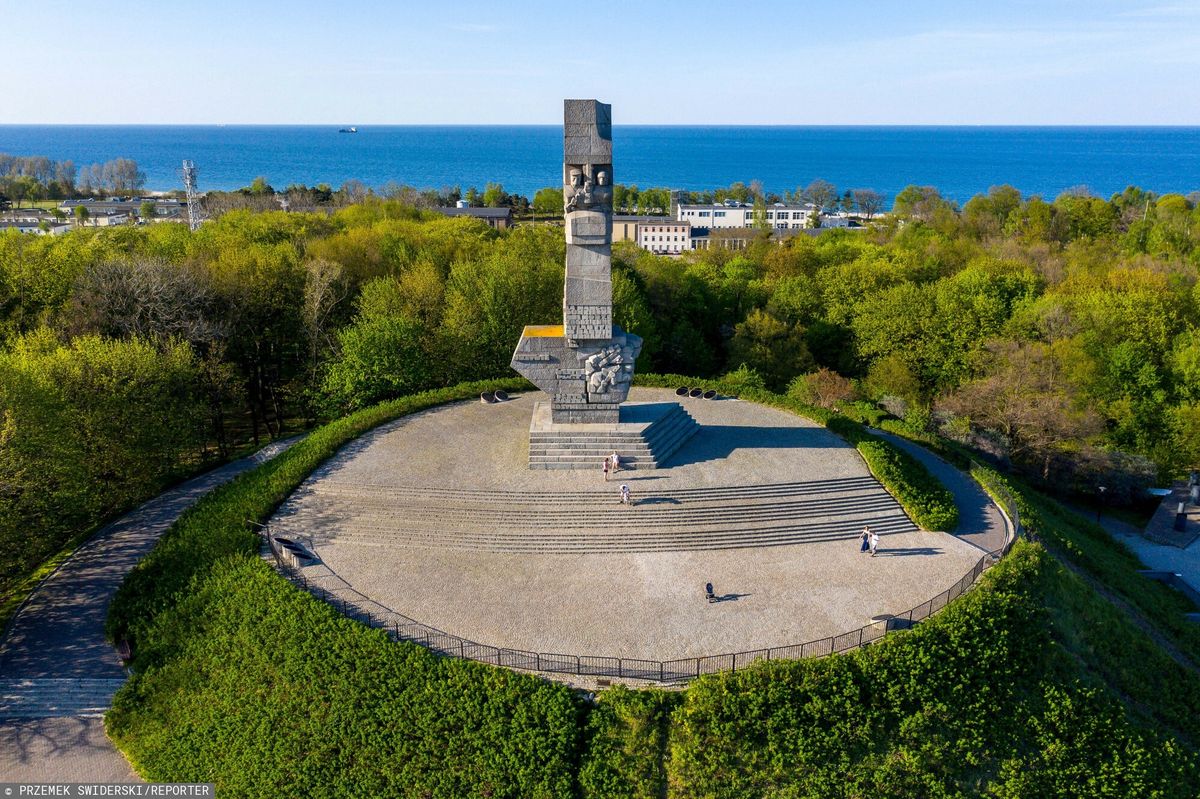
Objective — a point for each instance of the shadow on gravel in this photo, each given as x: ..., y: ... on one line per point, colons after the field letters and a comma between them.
x: 718, y: 441
x: 896, y: 553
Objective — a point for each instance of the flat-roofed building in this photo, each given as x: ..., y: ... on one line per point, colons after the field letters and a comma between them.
x: 165, y: 209
x: 37, y: 227
x: 779, y: 216
x: 498, y: 218
x: 625, y: 226
x: 665, y: 236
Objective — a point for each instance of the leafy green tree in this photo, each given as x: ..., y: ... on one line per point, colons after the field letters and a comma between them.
x: 549, y: 202
x: 494, y: 195
x: 772, y: 348
x: 380, y: 357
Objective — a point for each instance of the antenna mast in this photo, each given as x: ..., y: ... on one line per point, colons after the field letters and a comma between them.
x: 193, y: 197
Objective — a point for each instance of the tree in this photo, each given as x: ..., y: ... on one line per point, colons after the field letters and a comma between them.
x: 381, y: 357
x: 919, y: 202
x: 23, y: 188
x: 81, y: 214
x: 1027, y: 399
x: 772, y: 348
x: 988, y: 214
x: 147, y: 210
x: 869, y: 201
x: 494, y: 195
x: 549, y: 202
x: 146, y: 298
x: 820, y: 193
x: 824, y: 388
x: 260, y: 186
x: 122, y: 176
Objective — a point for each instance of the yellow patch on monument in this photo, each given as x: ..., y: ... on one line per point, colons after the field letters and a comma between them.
x: 543, y: 331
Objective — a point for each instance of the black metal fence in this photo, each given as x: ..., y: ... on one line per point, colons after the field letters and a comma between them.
x: 402, y: 628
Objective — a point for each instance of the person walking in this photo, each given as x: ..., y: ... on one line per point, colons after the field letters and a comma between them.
x: 607, y: 464
x: 626, y: 499
x: 874, y: 542
x: 615, y: 461
x: 865, y: 540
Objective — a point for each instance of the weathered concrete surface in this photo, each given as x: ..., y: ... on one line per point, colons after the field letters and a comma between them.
x: 436, y: 517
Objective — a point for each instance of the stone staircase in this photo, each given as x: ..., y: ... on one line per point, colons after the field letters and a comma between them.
x: 576, y: 447
x: 592, y: 522
x: 53, y: 697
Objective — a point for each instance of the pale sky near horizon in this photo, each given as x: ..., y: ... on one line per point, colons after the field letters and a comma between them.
x: 1015, y: 62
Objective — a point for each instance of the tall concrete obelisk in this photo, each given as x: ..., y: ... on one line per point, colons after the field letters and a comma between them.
x: 586, y: 363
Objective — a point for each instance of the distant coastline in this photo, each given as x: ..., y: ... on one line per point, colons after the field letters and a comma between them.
x: 959, y: 160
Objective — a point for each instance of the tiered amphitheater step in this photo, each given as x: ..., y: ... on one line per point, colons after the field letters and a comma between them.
x: 576, y: 448
x: 594, y: 522
x: 40, y: 698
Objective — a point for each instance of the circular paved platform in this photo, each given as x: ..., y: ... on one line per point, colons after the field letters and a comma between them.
x: 436, y: 517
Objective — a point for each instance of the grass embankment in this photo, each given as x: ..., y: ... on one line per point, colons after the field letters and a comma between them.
x: 986, y: 698
x: 923, y: 497
x: 247, y: 681
x: 1085, y: 546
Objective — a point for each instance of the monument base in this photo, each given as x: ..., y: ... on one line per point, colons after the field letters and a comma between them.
x: 645, y: 436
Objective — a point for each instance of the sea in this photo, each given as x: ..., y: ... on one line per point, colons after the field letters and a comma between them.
x: 959, y: 161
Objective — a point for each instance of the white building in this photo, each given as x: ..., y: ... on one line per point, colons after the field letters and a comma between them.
x: 38, y: 227
x: 779, y: 216
x: 665, y: 236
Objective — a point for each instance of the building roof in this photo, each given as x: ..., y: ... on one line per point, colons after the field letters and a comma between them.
x: 642, y: 218
x: 478, y: 213
x: 134, y: 204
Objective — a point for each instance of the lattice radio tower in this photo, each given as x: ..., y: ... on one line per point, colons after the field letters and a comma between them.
x: 193, y: 197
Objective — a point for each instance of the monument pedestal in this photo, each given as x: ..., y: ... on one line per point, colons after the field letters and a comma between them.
x: 646, y: 435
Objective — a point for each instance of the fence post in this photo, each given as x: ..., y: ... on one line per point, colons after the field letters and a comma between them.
x: 620, y: 667
x: 538, y: 656
x: 697, y: 667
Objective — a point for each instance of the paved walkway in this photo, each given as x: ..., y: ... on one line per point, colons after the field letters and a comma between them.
x: 58, y: 673
x: 1161, y: 527
x: 437, y: 518
x: 1184, y: 561
x: 980, y: 522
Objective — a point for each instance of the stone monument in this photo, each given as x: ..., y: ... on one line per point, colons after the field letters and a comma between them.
x: 586, y: 363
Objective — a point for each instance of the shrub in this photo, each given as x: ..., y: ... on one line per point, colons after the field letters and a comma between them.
x: 924, y: 498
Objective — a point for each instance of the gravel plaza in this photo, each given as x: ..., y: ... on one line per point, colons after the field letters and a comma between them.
x: 436, y: 516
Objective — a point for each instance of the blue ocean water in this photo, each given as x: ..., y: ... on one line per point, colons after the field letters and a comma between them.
x: 959, y: 161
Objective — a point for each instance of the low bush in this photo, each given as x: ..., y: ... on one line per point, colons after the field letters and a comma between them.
x: 924, y: 498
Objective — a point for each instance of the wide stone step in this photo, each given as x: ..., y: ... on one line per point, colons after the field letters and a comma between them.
x: 390, y: 494
x: 52, y: 697
x: 651, y: 510
x: 647, y: 541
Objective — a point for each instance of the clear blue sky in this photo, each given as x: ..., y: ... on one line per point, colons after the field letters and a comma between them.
x: 737, y: 62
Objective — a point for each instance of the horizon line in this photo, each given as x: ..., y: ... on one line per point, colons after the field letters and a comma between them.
x: 615, y: 125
